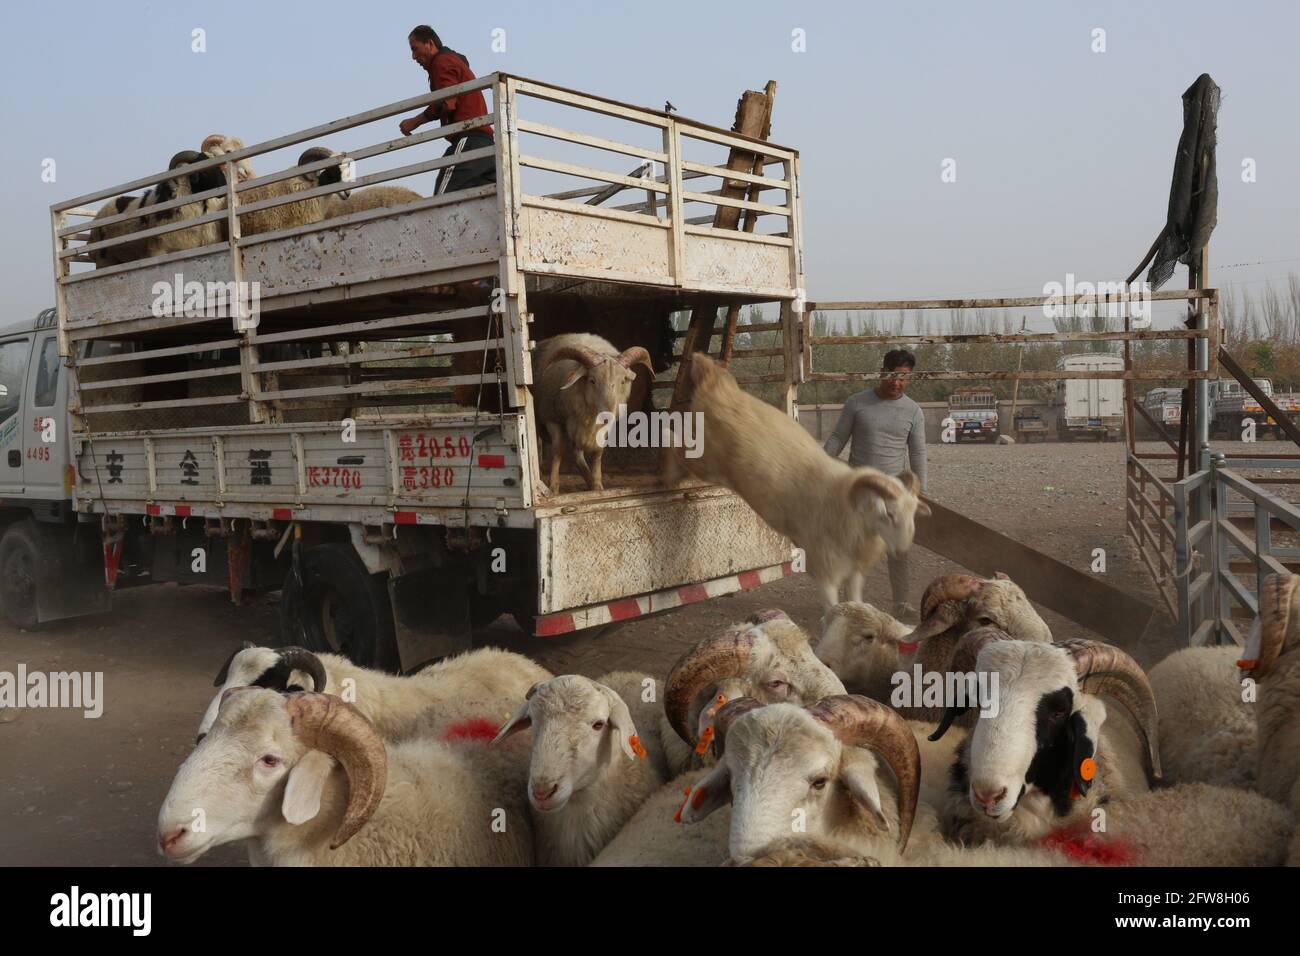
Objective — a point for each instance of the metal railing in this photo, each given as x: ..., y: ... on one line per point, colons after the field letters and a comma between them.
x: 1208, y: 569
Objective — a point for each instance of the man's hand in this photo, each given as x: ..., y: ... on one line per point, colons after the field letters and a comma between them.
x: 411, y: 124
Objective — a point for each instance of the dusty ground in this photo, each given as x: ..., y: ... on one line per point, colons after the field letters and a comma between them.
x: 86, y: 792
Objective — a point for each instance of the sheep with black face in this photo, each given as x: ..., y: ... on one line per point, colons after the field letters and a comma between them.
x: 1048, y: 749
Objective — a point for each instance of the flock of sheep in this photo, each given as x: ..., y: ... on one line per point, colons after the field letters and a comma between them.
x: 762, y: 747
x: 271, y: 218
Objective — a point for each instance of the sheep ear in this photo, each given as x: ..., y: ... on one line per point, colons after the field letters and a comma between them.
x: 922, y: 509
x: 875, y: 484
x: 306, y: 784
x: 517, y: 722
x: 620, y: 718
x: 710, y: 792
x: 1001, y: 576
x: 576, y: 374
x: 1082, y: 731
x: 859, y: 777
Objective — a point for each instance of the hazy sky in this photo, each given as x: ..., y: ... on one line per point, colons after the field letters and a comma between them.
x: 1063, y: 154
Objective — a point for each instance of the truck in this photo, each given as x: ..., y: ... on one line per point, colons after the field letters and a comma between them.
x: 1090, y: 408
x: 323, y: 444
x: 974, y: 413
x: 1165, y: 406
x: 1232, y: 405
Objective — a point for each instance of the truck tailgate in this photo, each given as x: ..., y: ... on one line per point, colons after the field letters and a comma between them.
x: 614, y: 549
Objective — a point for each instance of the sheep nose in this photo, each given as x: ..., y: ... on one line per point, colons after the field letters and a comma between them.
x: 542, y: 793
x: 986, y: 798
x: 169, y: 839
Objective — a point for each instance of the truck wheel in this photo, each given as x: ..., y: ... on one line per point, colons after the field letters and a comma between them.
x: 340, y: 608
x: 18, y: 559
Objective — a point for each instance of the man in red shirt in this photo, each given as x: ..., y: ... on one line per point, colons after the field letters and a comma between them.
x: 446, y: 68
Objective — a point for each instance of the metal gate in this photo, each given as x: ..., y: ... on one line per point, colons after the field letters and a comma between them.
x: 1210, y: 539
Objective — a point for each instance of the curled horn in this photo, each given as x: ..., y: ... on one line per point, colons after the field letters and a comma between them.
x: 964, y: 656
x: 911, y: 482
x: 301, y: 659
x: 1105, y: 669
x: 1268, y: 635
x: 184, y: 158
x: 332, y: 726
x: 636, y: 355
x: 731, y: 711
x: 771, y: 614
x: 704, y: 665
x: 944, y: 605
x: 315, y: 154
x: 216, y: 139
x: 860, y: 722
x: 588, y: 358
x: 225, y: 668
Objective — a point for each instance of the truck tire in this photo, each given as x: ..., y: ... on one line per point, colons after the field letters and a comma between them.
x: 19, y: 556
x: 340, y: 608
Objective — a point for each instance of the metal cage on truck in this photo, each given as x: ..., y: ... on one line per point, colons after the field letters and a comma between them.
x: 232, y: 422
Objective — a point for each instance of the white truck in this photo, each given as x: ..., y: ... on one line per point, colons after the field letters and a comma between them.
x: 336, y: 445
x: 974, y: 413
x: 1091, y: 408
x: 1165, y: 406
x: 1233, y: 405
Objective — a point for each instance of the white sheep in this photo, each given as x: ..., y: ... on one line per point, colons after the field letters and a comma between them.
x: 465, y: 695
x: 783, y: 766
x: 1207, y: 731
x: 1048, y: 750
x: 373, y: 197
x: 308, y: 781
x: 867, y: 648
x: 577, y: 377
x: 1271, y: 657
x: 768, y: 658
x: 289, y: 214
x: 843, y: 518
x: 654, y: 837
x: 597, y: 755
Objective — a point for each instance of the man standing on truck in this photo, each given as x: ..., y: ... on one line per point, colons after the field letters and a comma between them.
x: 886, y: 430
x: 447, y: 68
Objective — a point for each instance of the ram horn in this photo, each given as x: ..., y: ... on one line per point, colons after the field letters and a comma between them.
x: 943, y: 605
x: 728, y: 714
x: 771, y: 614
x: 301, y: 659
x: 1105, y: 669
x: 860, y: 722
x: 331, y: 725
x: 1268, y: 633
x: 636, y: 355
x: 587, y: 358
x: 911, y: 482
x: 315, y: 154
x: 964, y: 658
x: 703, y: 666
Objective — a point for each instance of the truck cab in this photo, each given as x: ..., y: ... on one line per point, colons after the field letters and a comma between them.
x: 40, y: 538
x: 974, y: 412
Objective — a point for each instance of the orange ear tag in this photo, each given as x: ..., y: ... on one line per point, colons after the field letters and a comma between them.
x: 706, y: 738
x: 1088, y: 768
x: 637, y: 748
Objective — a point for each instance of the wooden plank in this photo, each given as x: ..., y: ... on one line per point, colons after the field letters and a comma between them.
x: 1282, y: 419
x: 600, y: 212
x: 1137, y: 376
x: 1116, y: 616
x: 587, y: 172
x: 1014, y: 338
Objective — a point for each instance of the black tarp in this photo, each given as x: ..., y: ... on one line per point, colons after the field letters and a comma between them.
x: 1194, y: 195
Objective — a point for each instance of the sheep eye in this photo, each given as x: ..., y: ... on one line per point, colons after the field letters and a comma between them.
x: 819, y: 783
x: 987, y: 622
x: 775, y: 684
x: 269, y: 761
x: 598, y: 725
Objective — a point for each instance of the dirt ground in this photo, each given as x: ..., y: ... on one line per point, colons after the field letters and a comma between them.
x: 77, y: 791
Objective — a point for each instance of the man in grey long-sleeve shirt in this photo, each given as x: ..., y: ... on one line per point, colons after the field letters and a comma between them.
x: 886, y: 429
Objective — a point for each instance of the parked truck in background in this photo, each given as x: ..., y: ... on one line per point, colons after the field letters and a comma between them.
x: 1233, y: 405
x: 1165, y: 406
x: 974, y: 412
x: 1090, y: 408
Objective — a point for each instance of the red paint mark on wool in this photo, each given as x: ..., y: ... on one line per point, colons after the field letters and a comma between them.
x: 1089, y: 848
x: 476, y: 728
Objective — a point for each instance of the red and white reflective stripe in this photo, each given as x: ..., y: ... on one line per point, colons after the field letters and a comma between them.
x: 564, y: 622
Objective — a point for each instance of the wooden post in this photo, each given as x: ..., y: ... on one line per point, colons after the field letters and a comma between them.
x: 753, y: 115
x: 1015, y: 388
